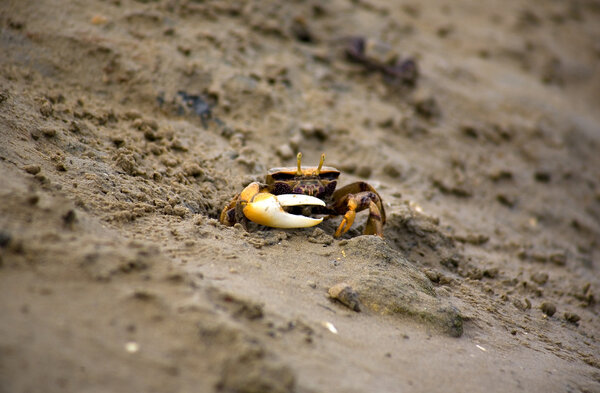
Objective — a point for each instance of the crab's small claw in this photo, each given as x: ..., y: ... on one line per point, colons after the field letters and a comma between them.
x: 267, y: 209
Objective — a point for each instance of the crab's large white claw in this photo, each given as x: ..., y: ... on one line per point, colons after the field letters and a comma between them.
x: 267, y: 209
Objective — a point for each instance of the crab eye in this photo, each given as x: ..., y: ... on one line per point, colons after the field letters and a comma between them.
x: 282, y: 176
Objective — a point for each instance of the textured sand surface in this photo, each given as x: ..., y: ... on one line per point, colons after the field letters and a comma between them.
x: 126, y: 126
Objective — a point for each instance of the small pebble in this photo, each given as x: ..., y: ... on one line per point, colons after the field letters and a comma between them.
x: 558, y: 258
x: 5, y: 239
x: 432, y: 275
x: 391, y: 170
x: 506, y: 200
x: 491, y: 272
x: 46, y: 109
x: 542, y: 177
x: 285, y: 151
x: 522, y: 305
x: 309, y: 130
x: 32, y: 169
x: 180, y: 211
x: 501, y: 174
x: 445, y: 280
x: 49, y: 132
x: 428, y: 108
x: 118, y: 141
x: 548, y: 308
x: 345, y: 295
x: 193, y: 169
x: 470, y: 130
x: 572, y: 317
x: 70, y: 218
x: 33, y: 199
x: 539, y: 278
x: 151, y: 135
x: 41, y: 178
x: 132, y: 347
x: 184, y: 50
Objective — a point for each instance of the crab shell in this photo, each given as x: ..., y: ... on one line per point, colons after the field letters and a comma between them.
x: 313, y: 181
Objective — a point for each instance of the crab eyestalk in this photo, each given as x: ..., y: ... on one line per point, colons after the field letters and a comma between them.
x: 321, y: 164
x: 267, y: 209
x: 299, y: 158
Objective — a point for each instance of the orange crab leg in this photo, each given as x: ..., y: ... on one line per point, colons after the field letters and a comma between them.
x: 348, y: 219
x: 227, y: 216
x: 233, y: 212
x: 357, y: 197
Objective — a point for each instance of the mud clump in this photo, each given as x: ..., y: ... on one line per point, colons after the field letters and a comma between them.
x: 32, y: 169
x: 391, y: 285
x: 237, y: 306
x: 548, y: 308
x: 319, y: 236
x: 419, y: 237
x: 102, y: 263
x: 540, y: 278
x: 252, y: 372
x: 572, y: 317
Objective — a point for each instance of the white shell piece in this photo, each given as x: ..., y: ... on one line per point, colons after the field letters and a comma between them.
x: 329, y: 326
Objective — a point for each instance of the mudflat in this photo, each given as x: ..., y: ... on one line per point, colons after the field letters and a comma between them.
x: 126, y: 126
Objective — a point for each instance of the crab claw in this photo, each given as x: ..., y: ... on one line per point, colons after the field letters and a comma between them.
x: 267, y: 209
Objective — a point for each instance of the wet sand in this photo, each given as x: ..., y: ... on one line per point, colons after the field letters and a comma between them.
x: 126, y: 126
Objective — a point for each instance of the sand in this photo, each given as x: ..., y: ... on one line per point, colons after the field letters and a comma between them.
x: 126, y: 126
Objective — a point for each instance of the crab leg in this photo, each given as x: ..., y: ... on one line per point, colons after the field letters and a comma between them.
x: 354, y: 198
x: 267, y: 209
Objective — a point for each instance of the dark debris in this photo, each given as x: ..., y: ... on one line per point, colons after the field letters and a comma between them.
x: 404, y: 71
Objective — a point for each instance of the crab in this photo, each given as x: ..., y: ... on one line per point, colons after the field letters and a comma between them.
x: 292, y: 196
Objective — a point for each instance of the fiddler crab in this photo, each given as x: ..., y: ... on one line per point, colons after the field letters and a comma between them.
x: 291, y: 194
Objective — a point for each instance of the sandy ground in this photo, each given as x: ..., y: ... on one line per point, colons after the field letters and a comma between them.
x: 126, y: 126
